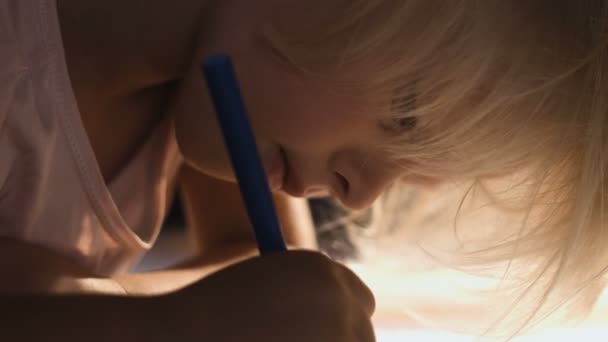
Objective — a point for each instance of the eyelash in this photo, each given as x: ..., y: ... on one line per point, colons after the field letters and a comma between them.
x: 405, y: 124
x: 404, y: 105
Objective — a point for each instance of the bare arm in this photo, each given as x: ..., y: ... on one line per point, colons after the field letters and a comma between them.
x: 81, y: 318
x: 44, y: 296
x: 34, y: 304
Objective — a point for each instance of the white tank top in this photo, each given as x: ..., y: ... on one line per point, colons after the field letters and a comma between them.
x: 52, y: 192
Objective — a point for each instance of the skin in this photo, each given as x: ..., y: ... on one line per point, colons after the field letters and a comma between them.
x: 138, y: 75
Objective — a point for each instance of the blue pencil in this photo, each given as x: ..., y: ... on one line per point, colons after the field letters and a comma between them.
x: 240, y: 142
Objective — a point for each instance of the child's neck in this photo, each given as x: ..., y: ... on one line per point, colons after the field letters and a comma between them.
x: 126, y: 44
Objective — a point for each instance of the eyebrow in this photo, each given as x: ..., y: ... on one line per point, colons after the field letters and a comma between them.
x: 405, y: 104
x: 400, y: 106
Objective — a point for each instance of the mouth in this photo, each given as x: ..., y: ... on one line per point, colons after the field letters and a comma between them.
x: 277, y: 170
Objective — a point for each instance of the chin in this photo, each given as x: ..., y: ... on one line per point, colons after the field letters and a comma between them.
x: 212, y: 165
x: 212, y: 170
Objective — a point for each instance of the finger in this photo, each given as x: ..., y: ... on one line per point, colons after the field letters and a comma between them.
x: 364, y: 331
x: 352, y: 284
x: 358, y: 290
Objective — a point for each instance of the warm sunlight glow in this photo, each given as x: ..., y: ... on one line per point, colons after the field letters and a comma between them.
x: 407, y: 304
x: 387, y: 335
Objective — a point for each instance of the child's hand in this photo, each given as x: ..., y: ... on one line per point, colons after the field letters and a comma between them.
x: 292, y: 296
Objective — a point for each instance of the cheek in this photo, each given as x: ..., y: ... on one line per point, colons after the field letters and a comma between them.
x: 196, y: 128
x: 289, y: 109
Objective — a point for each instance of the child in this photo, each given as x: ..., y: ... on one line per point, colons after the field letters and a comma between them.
x: 345, y: 97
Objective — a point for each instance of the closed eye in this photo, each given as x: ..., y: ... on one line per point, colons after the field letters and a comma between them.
x: 402, y: 119
x: 399, y: 125
x: 406, y: 123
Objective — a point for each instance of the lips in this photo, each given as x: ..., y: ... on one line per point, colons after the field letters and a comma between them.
x: 276, y: 170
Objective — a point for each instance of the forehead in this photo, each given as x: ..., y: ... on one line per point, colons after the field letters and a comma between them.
x: 293, y: 26
x: 288, y: 13
x: 302, y: 22
x: 297, y: 22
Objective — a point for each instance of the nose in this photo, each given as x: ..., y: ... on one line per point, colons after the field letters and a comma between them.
x: 357, y: 195
x: 358, y: 188
x: 349, y: 190
x: 355, y: 185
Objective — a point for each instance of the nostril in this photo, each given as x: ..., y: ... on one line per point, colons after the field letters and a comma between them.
x: 344, y: 184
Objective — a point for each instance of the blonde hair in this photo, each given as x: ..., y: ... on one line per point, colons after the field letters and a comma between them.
x: 503, y: 87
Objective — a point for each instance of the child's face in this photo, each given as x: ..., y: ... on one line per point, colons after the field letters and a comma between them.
x: 314, y: 140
